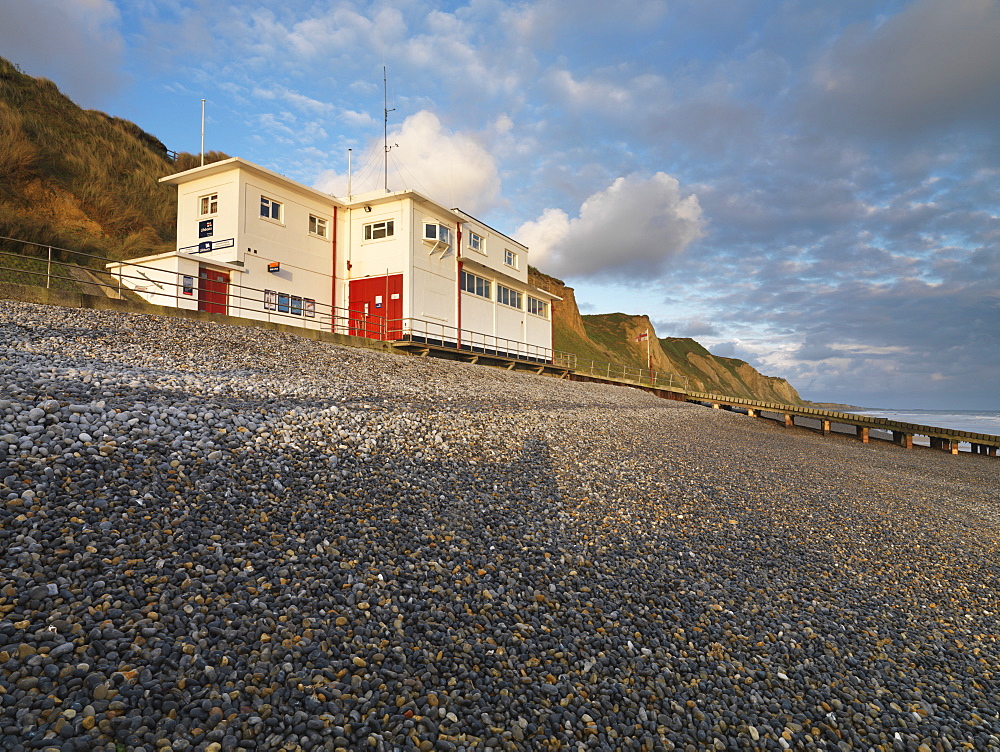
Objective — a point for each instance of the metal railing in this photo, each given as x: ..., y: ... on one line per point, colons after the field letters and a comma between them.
x: 250, y: 302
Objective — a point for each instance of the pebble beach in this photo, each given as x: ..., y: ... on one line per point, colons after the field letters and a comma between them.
x: 218, y: 538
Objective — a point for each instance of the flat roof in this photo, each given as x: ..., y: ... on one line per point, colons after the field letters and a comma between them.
x: 216, y: 168
x: 491, y: 229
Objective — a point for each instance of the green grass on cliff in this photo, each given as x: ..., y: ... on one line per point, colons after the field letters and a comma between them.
x: 79, y: 178
x: 609, y: 332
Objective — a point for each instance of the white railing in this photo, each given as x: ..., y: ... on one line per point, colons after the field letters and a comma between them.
x: 249, y: 302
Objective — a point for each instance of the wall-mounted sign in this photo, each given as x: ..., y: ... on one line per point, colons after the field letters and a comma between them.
x: 205, y: 228
x: 188, y: 285
x: 209, y: 245
x: 274, y: 267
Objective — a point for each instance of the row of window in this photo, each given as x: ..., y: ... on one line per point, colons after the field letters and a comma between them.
x: 478, y: 243
x: 439, y: 234
x: 282, y: 302
x: 508, y: 297
x: 269, y: 209
x: 473, y: 283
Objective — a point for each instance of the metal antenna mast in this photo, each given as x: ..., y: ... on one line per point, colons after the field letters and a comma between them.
x: 385, y: 129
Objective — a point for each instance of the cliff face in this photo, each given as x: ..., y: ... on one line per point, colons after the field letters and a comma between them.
x: 79, y: 178
x: 611, y: 338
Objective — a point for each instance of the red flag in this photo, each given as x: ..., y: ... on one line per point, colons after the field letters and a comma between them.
x: 642, y: 336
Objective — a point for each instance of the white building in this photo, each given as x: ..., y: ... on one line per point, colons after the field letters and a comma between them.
x: 394, y: 266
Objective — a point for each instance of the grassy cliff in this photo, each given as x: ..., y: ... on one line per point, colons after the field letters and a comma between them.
x: 611, y: 337
x: 79, y: 178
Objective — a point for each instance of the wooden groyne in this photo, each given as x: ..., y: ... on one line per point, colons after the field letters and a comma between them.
x: 900, y: 433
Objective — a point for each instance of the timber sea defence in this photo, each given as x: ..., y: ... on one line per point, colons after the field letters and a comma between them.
x: 827, y: 422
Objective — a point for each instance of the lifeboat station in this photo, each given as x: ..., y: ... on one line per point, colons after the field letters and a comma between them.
x: 394, y: 266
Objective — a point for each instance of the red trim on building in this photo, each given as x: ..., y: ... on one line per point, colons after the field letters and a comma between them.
x: 458, y: 297
x: 333, y: 274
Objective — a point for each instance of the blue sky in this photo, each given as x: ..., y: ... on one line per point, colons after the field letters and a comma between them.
x: 811, y: 186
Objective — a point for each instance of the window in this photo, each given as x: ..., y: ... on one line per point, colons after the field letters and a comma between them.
x: 283, y: 302
x: 477, y: 243
x: 317, y: 226
x: 209, y: 204
x: 438, y: 237
x: 508, y: 297
x: 270, y: 300
x: 296, y: 305
x: 379, y: 230
x: 510, y: 258
x: 270, y: 209
x: 310, y: 307
x: 476, y: 285
x: 538, y: 307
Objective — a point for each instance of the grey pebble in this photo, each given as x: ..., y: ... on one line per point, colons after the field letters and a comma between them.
x: 223, y: 538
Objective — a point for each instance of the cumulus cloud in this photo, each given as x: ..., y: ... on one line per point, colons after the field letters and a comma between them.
x: 451, y: 168
x: 76, y: 42
x: 627, y: 231
x: 935, y: 63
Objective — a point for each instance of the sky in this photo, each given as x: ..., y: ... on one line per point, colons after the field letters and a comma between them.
x: 810, y: 185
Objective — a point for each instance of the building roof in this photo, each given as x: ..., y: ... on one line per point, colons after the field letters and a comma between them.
x: 470, y: 218
x: 200, y: 258
x: 217, y: 168
x: 369, y: 198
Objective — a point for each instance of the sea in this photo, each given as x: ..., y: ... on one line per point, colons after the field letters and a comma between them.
x: 974, y: 421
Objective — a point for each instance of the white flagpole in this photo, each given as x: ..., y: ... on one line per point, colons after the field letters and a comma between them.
x: 203, y: 133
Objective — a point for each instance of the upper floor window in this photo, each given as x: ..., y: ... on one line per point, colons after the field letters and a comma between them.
x: 476, y: 285
x: 508, y: 297
x: 477, y: 243
x: 538, y: 307
x: 270, y: 209
x: 317, y: 226
x: 510, y: 258
x: 380, y: 230
x: 437, y: 236
x: 208, y: 205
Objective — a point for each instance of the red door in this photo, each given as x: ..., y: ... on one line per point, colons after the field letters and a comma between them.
x: 213, y: 290
x: 377, y: 307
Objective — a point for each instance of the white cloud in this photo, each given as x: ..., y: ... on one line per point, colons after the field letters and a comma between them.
x: 300, y: 102
x: 627, y: 231
x: 592, y: 94
x: 76, y: 42
x: 452, y: 168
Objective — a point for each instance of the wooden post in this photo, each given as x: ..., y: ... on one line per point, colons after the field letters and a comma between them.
x: 991, y: 451
x: 751, y: 412
x: 825, y: 427
x: 862, y: 433
x: 904, y: 440
x: 953, y: 446
x: 789, y: 420
x: 716, y: 406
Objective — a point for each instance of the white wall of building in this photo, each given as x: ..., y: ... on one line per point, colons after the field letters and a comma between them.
x: 160, y: 279
x: 315, y: 269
